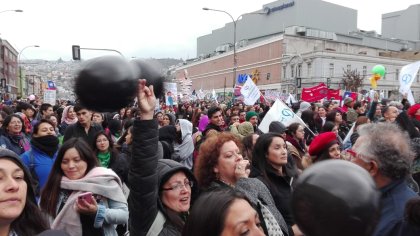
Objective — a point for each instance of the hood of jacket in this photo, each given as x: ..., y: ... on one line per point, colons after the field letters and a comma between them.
x: 165, y: 169
x: 186, y: 128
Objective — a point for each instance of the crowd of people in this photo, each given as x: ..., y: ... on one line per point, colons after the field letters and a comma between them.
x: 197, y: 168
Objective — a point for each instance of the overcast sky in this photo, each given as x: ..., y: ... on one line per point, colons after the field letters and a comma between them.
x: 138, y: 28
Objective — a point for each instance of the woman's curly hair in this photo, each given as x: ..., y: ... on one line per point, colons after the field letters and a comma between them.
x: 208, y: 156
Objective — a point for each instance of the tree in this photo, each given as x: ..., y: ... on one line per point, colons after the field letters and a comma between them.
x: 352, y: 80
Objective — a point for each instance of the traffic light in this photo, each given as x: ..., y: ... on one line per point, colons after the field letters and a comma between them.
x: 3, y: 83
x: 298, y: 82
x: 75, y: 49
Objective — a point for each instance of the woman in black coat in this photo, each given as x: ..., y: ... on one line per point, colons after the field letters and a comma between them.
x: 270, y: 164
x: 161, y: 191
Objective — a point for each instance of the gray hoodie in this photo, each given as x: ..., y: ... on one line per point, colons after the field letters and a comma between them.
x: 183, y: 152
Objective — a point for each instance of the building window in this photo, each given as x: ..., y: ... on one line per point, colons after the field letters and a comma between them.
x: 268, y: 76
x: 292, y: 70
x: 309, y: 69
x: 348, y: 67
x: 364, y: 71
x: 299, y: 70
x: 397, y: 74
x: 284, y: 72
x: 331, y: 69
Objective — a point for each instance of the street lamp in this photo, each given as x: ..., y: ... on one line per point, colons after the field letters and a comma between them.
x: 20, y: 67
x: 235, y: 61
x: 11, y: 10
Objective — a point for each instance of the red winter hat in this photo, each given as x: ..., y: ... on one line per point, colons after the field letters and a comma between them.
x: 322, y: 142
x: 413, y: 109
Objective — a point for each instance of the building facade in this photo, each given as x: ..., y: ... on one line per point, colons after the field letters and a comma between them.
x: 403, y: 24
x: 8, y: 69
x: 303, y: 46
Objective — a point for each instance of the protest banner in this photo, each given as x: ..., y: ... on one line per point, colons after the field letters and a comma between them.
x: 273, y: 95
x: 315, y: 93
x: 250, y: 92
x: 171, y: 93
x: 50, y: 96
x: 333, y: 94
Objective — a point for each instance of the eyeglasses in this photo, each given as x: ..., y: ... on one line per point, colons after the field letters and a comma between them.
x: 179, y: 186
x: 15, y: 123
x: 352, y: 155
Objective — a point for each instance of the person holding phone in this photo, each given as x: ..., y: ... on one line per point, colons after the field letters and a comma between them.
x: 64, y: 196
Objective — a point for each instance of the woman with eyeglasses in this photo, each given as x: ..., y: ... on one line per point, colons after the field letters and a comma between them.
x: 13, y: 135
x: 161, y: 191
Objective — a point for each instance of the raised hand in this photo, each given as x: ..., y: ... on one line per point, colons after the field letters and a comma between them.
x: 146, y: 100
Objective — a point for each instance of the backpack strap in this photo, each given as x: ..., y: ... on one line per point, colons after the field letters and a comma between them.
x: 157, y: 225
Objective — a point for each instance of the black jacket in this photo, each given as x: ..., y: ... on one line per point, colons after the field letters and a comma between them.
x: 281, y: 190
x: 78, y: 131
x: 119, y: 165
x: 145, y: 177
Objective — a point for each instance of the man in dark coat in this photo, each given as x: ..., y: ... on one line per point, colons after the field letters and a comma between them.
x: 84, y: 127
x: 384, y: 151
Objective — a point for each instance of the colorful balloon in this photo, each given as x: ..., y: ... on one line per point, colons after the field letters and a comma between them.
x: 374, y: 79
x: 379, y: 69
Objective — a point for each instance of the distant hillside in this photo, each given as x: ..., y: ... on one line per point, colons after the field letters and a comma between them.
x: 168, y: 62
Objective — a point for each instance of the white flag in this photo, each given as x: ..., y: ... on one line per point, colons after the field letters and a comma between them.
x: 200, y: 94
x: 407, y: 75
x: 290, y: 100
x: 250, y: 92
x: 279, y: 112
x: 410, y: 97
x: 347, y: 138
x: 214, y: 96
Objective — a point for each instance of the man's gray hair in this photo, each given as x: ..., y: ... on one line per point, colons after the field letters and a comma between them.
x: 389, y: 146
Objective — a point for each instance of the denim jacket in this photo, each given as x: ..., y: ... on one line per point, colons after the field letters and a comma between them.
x: 393, y: 199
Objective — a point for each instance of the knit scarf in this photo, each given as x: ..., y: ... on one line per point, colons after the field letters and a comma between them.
x: 100, y: 181
x: 47, y: 144
x: 65, y: 118
x: 104, y: 158
x: 298, y: 145
x: 20, y: 140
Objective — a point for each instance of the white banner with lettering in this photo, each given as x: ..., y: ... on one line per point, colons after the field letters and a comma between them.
x: 50, y: 96
x: 279, y: 112
x: 250, y: 92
